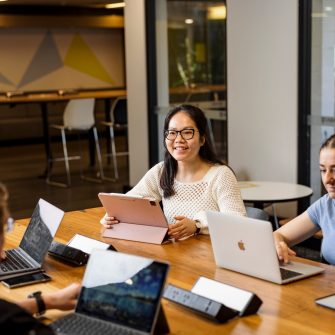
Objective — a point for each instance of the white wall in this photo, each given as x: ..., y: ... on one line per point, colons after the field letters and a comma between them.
x: 136, y: 75
x: 262, y: 46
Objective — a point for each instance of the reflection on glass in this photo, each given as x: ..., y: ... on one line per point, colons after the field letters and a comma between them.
x: 197, y: 61
x: 130, y: 291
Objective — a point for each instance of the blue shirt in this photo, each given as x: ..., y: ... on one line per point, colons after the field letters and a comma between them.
x: 322, y: 214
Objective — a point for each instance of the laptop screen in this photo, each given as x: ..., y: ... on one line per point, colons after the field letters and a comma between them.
x: 41, y: 230
x: 123, y: 289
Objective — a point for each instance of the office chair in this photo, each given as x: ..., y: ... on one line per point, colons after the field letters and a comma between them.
x: 257, y: 213
x: 119, y: 121
x: 78, y: 115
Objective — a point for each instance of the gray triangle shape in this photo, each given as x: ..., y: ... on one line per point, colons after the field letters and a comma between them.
x: 46, y: 60
x: 5, y: 80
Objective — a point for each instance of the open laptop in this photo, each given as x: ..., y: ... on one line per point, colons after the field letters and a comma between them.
x: 140, y: 219
x: 36, y: 241
x: 247, y: 246
x: 120, y: 294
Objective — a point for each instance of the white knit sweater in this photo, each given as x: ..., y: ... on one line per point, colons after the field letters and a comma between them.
x: 217, y: 191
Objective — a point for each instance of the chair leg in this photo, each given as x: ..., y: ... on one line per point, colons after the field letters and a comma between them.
x: 113, y: 148
x: 275, y: 216
x: 97, y: 147
x: 67, y: 165
x: 66, y: 157
x: 80, y: 148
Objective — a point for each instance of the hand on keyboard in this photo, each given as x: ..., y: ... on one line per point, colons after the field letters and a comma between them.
x: 2, y: 255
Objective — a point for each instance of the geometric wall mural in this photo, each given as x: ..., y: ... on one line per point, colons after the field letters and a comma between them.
x: 5, y: 80
x: 82, y: 58
x: 46, y: 60
x: 53, y: 59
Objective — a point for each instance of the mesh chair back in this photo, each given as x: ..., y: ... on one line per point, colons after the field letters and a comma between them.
x: 119, y: 111
x: 79, y: 114
x: 257, y: 213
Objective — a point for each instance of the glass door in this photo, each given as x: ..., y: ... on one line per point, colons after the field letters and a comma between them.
x: 190, y: 50
x: 322, y: 118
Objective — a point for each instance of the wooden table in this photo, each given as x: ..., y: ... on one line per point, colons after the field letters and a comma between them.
x: 286, y: 309
x: 44, y: 98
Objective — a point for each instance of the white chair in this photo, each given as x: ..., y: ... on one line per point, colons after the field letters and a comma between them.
x: 119, y: 121
x: 78, y: 115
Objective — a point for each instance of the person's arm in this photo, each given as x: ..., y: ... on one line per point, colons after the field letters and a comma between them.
x: 293, y: 232
x: 228, y: 194
x: 184, y: 227
x: 64, y: 299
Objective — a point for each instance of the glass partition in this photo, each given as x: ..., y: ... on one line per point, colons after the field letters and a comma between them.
x: 191, y: 62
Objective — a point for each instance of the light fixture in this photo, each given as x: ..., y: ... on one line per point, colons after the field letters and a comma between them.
x: 328, y: 8
x: 115, y: 5
x: 3, y: 0
x: 189, y: 21
x: 217, y: 13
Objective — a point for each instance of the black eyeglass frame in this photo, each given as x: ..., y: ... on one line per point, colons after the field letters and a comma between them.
x: 179, y: 132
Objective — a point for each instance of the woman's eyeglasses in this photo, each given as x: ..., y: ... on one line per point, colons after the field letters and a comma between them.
x: 186, y: 134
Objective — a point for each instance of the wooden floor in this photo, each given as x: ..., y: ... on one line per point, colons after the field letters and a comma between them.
x: 21, y: 168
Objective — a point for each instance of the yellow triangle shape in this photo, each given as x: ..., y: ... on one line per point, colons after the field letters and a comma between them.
x: 82, y: 58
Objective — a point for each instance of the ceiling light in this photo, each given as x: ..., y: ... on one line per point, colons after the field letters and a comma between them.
x: 115, y: 5
x: 217, y: 13
x: 328, y: 8
x: 189, y: 21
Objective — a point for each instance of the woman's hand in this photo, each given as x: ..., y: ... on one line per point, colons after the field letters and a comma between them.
x: 183, y: 227
x: 284, y: 252
x: 64, y: 299
x: 108, y: 221
x: 2, y: 255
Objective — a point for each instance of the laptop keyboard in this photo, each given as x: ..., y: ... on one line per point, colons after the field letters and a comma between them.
x: 76, y: 324
x: 287, y: 274
x: 14, y: 261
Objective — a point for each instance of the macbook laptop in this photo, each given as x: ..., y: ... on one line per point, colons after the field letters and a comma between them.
x: 36, y: 241
x: 247, y: 246
x: 139, y: 219
x: 120, y: 294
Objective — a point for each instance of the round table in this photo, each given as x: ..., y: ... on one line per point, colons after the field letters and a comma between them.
x: 261, y: 192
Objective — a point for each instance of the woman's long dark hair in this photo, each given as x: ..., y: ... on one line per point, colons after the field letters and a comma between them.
x: 206, y: 151
x: 3, y: 207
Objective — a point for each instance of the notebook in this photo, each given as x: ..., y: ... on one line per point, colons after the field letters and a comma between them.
x: 120, y: 294
x: 247, y: 246
x: 140, y: 219
x: 36, y: 241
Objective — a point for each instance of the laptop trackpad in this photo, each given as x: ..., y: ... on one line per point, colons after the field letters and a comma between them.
x: 304, y: 269
x: 134, y: 232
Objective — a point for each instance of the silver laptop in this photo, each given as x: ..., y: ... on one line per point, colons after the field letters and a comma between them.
x: 36, y: 241
x: 140, y: 219
x: 247, y: 246
x: 120, y: 295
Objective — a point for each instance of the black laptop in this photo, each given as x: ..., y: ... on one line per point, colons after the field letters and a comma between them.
x: 120, y: 295
x: 35, y: 243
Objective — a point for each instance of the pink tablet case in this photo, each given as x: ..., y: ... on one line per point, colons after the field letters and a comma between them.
x: 140, y: 219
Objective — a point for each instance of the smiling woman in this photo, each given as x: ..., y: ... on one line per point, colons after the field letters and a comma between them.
x: 191, y: 180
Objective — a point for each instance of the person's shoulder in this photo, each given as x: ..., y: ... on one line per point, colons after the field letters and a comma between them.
x: 219, y: 172
x: 156, y: 169
x: 221, y: 169
x: 321, y: 203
